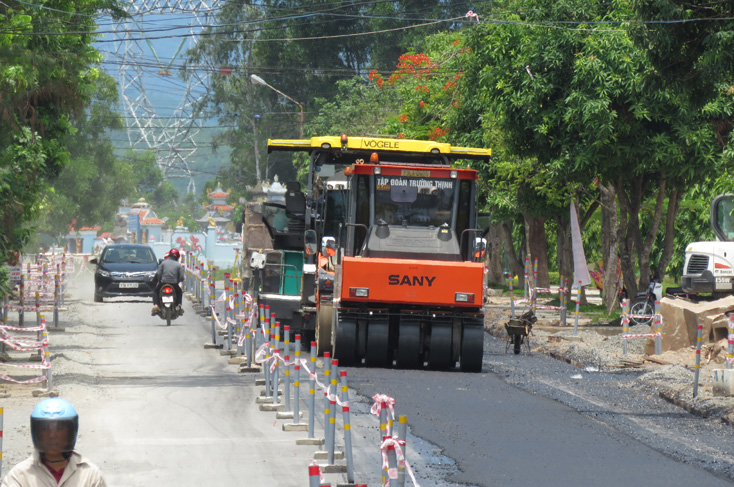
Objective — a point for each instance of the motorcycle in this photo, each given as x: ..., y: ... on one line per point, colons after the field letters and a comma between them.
x: 644, y: 303
x: 169, y: 308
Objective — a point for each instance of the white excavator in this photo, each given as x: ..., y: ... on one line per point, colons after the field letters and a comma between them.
x: 709, y: 266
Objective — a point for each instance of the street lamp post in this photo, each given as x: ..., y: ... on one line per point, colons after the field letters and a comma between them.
x: 259, y: 81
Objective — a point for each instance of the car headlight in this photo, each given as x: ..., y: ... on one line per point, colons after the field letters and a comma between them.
x: 103, y: 273
x: 151, y: 274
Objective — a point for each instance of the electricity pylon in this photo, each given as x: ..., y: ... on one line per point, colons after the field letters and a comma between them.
x: 169, y: 132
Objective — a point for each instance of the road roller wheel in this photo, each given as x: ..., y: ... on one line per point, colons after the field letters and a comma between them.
x: 378, y: 350
x: 323, y: 329
x: 345, y: 342
x: 409, y: 337
x: 439, y: 355
x: 472, y: 348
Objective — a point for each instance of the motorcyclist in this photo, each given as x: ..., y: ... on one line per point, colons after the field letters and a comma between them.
x: 171, y: 272
x: 54, y: 428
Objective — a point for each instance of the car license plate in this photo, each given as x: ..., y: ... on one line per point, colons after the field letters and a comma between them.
x: 167, y: 299
x: 128, y: 285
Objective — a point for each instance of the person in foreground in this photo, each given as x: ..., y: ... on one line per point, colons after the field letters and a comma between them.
x: 54, y: 427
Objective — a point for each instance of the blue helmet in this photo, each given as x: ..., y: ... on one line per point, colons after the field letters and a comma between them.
x: 54, y: 414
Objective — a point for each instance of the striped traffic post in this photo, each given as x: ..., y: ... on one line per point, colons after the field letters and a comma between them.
x: 625, y: 324
x: 40, y: 334
x: 658, y: 322
x: 199, y: 289
x: 389, y: 472
x: 227, y: 310
x: 6, y: 308
x: 251, y: 336
x: 525, y: 283
x: 333, y: 391
x: 286, y: 366
x: 312, y: 392
x: 37, y: 297
x: 562, y: 303
x: 297, y: 380
x: 236, y: 315
x: 512, y: 299
x: 56, y: 301
x: 268, y: 343
x: 276, y: 362
x: 244, y: 329
x: 565, y: 301
x: 2, y: 413
x: 384, y: 433
x: 210, y: 310
x: 21, y: 314
x: 63, y: 278
x: 327, y: 402
x: 533, y: 289
x: 730, y: 350
x: 347, y: 427
x: 314, y: 476
x: 46, y: 357
x: 576, y: 318
x: 402, y: 438
x: 699, y: 340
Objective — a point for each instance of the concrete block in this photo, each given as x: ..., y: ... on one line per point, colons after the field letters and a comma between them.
x: 724, y: 382
x: 244, y: 368
x: 288, y: 415
x: 324, y: 455
x: 295, y: 427
x: 681, y: 319
x: 333, y: 468
x: 310, y: 441
x: 272, y: 407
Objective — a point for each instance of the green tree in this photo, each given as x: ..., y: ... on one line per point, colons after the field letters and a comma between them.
x: 303, y: 48
x: 45, y: 79
x: 585, y: 104
x: 90, y: 186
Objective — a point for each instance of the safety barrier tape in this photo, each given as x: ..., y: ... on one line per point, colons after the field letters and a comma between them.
x: 35, y: 380
x: 624, y: 337
x: 248, y: 323
x: 16, y: 307
x: 392, y: 442
x: 18, y: 328
x: 546, y: 290
x: 25, y: 346
x: 20, y: 344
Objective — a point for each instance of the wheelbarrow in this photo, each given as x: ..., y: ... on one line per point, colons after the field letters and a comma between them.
x: 519, y: 332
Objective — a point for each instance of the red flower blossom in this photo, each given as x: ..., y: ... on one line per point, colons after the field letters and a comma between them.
x: 436, y: 133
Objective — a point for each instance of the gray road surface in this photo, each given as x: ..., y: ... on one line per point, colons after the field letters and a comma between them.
x: 157, y: 408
